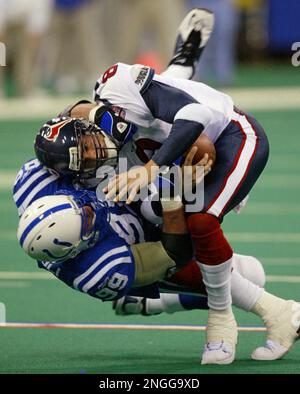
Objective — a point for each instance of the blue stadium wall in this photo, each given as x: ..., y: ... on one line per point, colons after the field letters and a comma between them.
x: 284, y: 24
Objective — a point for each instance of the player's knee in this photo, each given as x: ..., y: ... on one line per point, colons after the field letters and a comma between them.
x: 201, y: 224
x: 211, y: 246
x: 250, y: 268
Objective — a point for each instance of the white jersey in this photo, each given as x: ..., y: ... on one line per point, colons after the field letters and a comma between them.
x: 124, y: 86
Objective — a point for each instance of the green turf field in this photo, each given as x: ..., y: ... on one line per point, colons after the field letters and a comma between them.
x: 269, y: 228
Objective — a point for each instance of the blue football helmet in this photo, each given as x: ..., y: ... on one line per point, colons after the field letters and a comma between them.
x: 59, y: 145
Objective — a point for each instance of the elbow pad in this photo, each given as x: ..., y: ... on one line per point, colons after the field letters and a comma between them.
x: 195, y: 112
x: 112, y: 122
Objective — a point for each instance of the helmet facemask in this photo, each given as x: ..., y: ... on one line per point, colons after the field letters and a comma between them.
x: 104, y: 155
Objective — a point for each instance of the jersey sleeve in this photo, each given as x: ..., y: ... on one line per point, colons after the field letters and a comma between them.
x: 122, y: 85
x: 32, y: 182
x: 105, y: 271
x: 187, y: 116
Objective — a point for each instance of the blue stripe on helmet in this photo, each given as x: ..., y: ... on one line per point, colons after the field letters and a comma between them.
x: 42, y: 217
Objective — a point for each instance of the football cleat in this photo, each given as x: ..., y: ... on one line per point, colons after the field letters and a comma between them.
x: 193, y: 35
x: 283, y: 329
x: 129, y: 305
x: 218, y: 353
x: 221, y: 333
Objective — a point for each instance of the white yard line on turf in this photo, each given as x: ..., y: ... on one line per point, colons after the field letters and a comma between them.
x: 160, y: 327
x: 13, y: 275
x: 252, y: 208
x: 280, y: 261
x: 7, y: 179
x: 20, y: 284
x: 268, y: 181
x: 271, y: 208
x: 276, y: 181
x: 24, y: 276
x: 252, y: 98
x: 283, y: 279
x: 247, y: 237
x: 258, y: 237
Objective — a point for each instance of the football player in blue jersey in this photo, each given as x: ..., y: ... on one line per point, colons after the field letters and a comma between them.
x: 122, y: 227
x: 90, y: 245
x: 246, y: 162
x: 101, y: 250
x: 174, y: 112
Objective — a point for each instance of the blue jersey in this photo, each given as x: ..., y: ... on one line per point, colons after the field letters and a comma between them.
x: 34, y: 181
x: 105, y: 271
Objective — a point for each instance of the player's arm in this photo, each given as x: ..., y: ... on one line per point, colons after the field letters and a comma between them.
x: 109, y: 119
x: 154, y: 260
x: 80, y: 109
x: 188, y: 118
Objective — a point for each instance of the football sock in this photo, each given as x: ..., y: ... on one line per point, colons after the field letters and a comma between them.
x: 170, y: 303
x: 177, y: 71
x: 243, y: 292
x: 215, y: 258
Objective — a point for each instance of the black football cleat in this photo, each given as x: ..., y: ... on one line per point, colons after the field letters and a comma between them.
x: 193, y: 35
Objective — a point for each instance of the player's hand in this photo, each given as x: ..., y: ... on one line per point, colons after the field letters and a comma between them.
x: 197, y: 171
x: 128, y: 184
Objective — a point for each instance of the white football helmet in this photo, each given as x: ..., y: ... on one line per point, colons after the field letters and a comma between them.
x: 54, y: 228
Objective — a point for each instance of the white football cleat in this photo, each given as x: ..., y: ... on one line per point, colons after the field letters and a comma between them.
x: 222, y: 336
x: 193, y: 34
x: 218, y: 353
x: 283, y: 329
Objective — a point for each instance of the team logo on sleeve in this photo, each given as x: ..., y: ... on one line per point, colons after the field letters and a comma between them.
x: 50, y: 133
x: 121, y: 126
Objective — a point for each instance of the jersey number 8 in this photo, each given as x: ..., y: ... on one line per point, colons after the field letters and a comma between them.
x: 109, y: 73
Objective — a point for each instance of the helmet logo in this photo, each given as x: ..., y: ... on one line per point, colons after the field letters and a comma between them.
x: 51, y: 133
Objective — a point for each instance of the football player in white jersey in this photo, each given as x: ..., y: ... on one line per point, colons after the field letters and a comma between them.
x: 175, y: 112
x: 105, y: 256
x: 181, y: 110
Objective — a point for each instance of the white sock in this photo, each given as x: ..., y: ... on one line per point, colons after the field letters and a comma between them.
x: 154, y: 306
x: 168, y: 302
x: 171, y: 302
x: 217, y: 280
x: 244, y: 293
x: 177, y: 71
